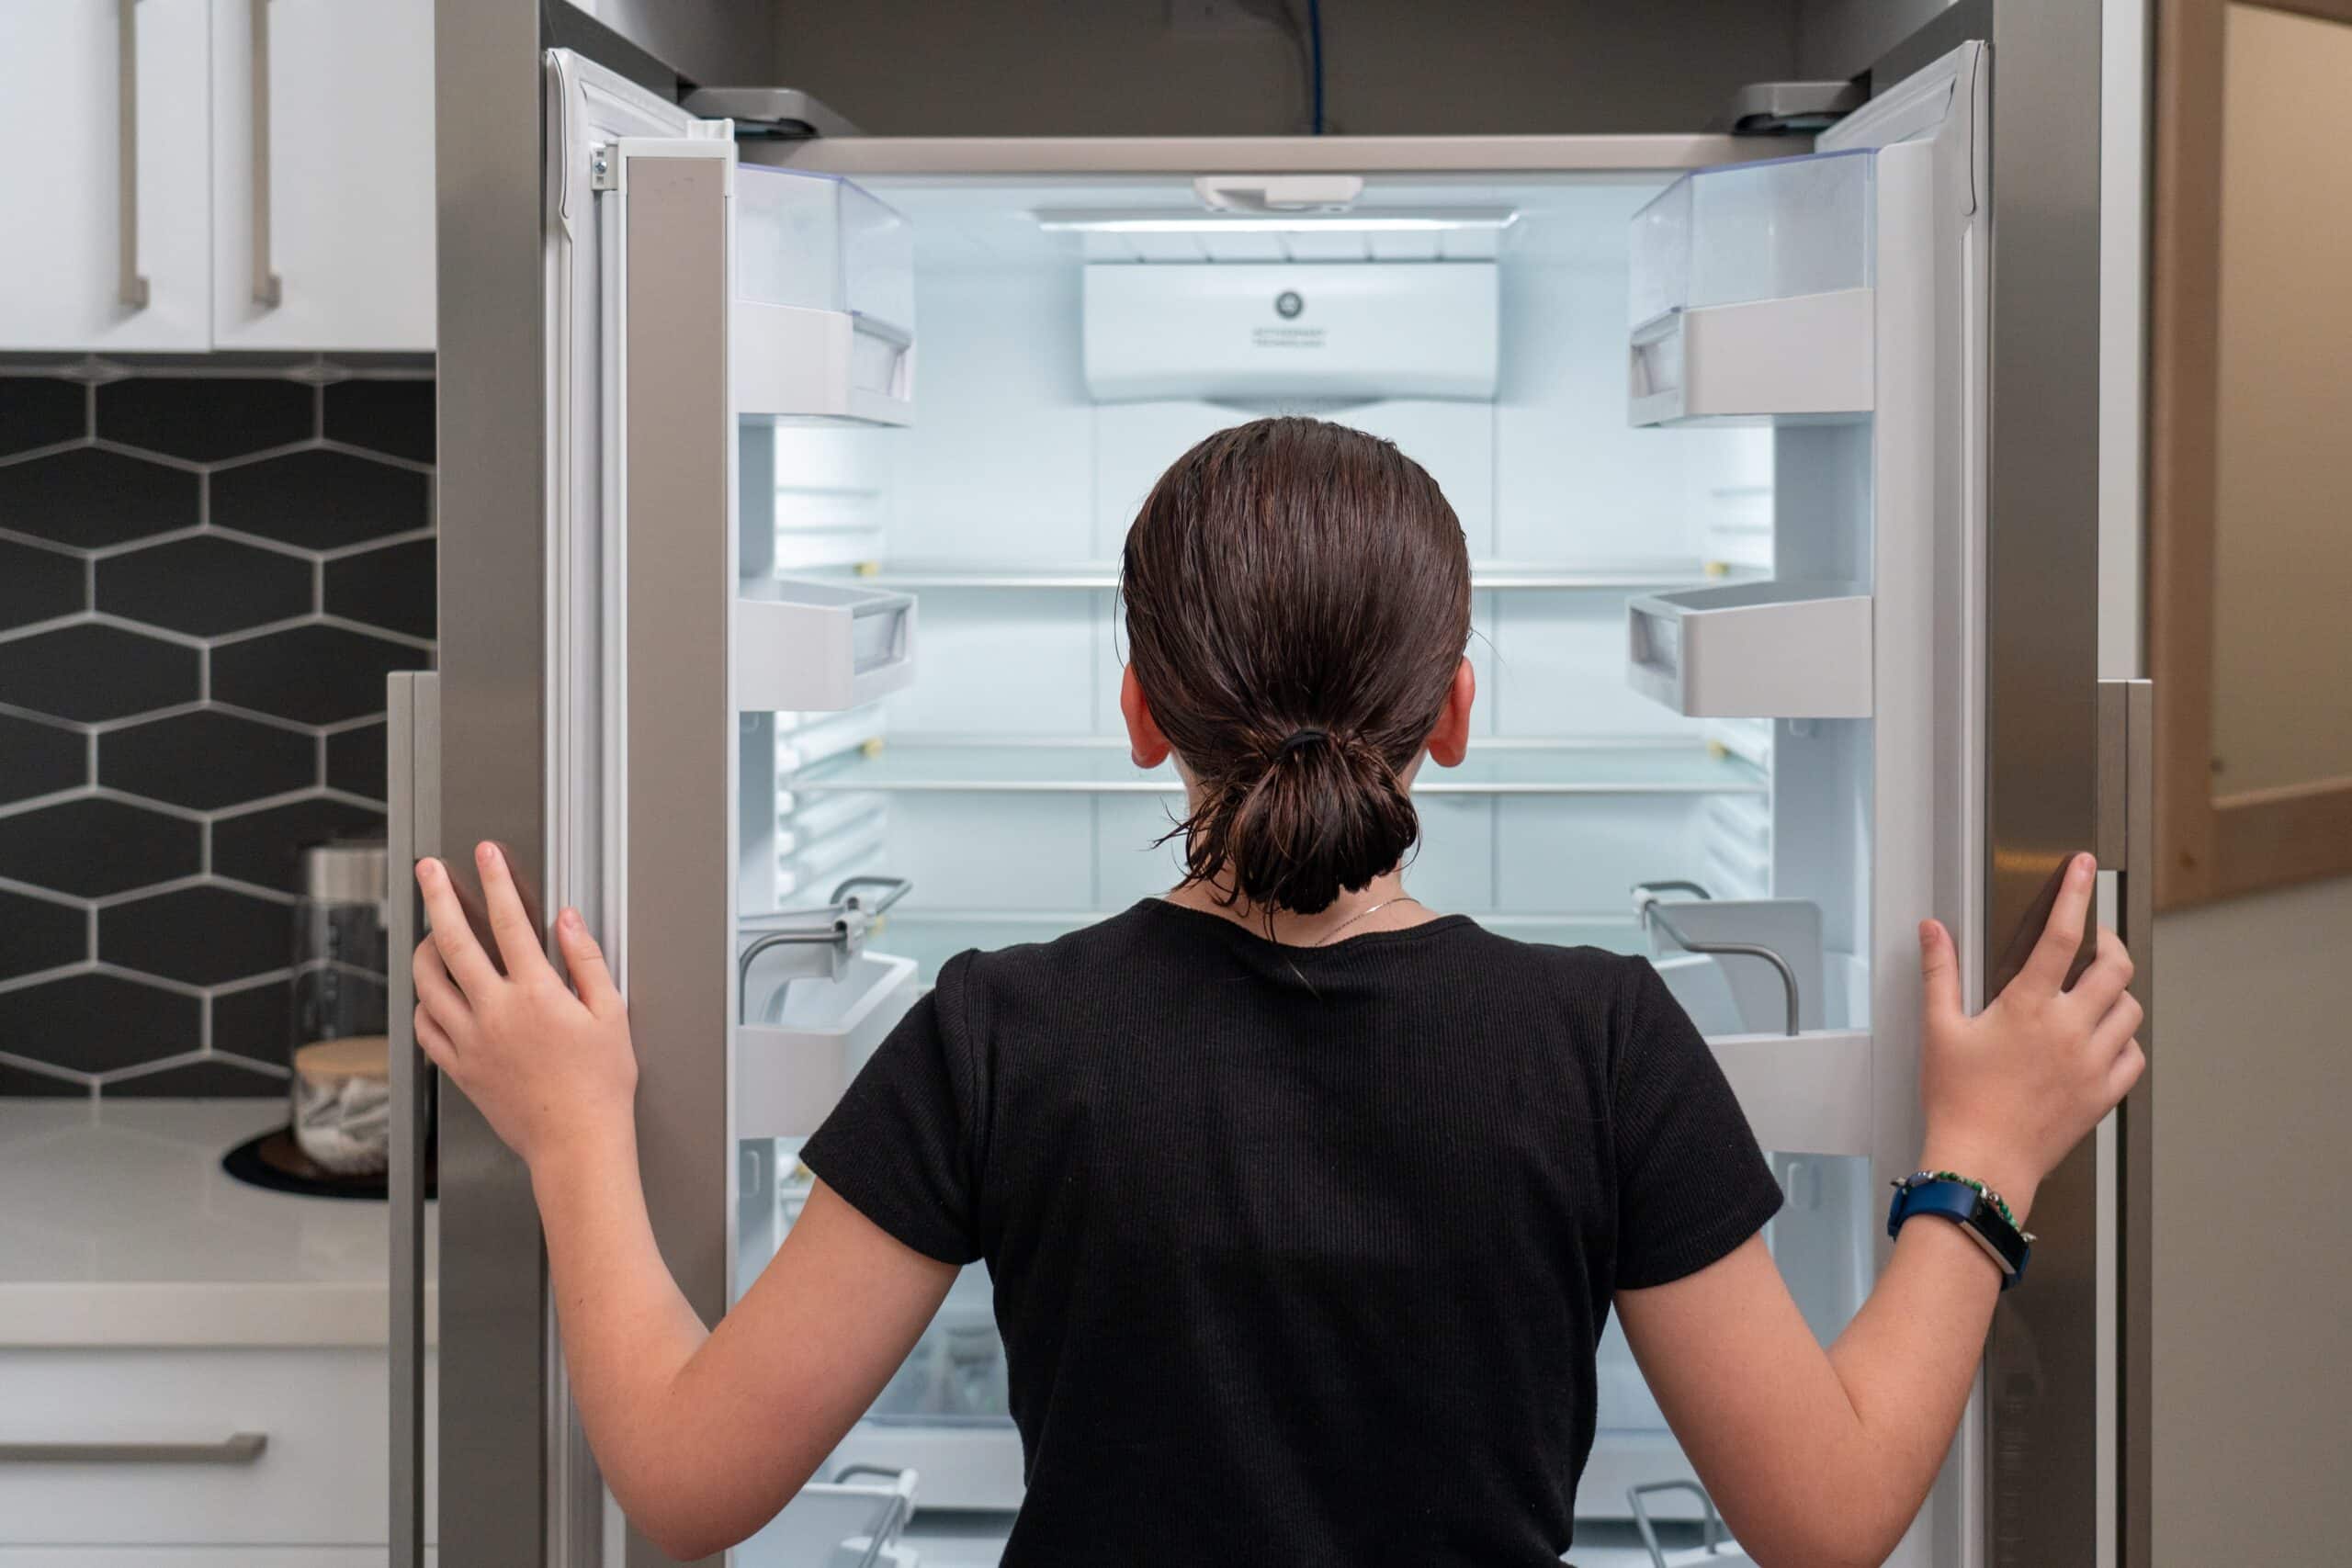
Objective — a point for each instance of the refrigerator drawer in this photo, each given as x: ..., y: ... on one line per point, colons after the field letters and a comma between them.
x: 802, y: 645
x: 1754, y: 650
x: 791, y: 1070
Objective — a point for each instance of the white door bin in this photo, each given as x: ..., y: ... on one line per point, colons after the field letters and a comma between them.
x: 1753, y: 293
x: 807, y: 647
x: 823, y: 324
x: 1810, y: 358
x: 791, y: 1070
x: 1754, y: 650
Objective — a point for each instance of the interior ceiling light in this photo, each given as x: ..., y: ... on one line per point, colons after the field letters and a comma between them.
x: 1180, y: 221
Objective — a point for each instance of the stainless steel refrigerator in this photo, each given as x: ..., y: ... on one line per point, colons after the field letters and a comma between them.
x: 784, y: 470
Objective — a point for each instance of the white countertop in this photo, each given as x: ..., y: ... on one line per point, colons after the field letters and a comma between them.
x: 119, y: 1227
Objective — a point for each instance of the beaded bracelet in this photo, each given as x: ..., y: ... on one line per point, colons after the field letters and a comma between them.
x: 1982, y: 1191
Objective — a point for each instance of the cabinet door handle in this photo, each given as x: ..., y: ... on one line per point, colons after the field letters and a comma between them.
x: 129, y: 283
x: 237, y: 1447
x: 267, y: 289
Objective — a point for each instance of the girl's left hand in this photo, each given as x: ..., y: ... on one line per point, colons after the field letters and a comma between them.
x: 551, y: 1070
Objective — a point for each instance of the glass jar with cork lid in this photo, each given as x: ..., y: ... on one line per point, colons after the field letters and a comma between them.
x: 341, y: 1090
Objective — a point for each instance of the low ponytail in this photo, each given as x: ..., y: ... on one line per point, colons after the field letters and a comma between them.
x: 1327, y: 814
x: 1297, y: 599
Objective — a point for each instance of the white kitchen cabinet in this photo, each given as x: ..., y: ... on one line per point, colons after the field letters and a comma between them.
x: 322, y: 189
x: 315, y: 1492
x: 272, y: 187
x: 200, y: 1556
x: 105, y: 242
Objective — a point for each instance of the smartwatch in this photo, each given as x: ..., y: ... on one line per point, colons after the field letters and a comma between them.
x: 1973, y: 1209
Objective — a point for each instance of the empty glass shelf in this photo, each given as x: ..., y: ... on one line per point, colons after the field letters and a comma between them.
x: 1081, y: 767
x: 1100, y: 576
x: 932, y: 937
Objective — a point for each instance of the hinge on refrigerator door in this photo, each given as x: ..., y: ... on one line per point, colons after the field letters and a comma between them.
x: 603, y: 168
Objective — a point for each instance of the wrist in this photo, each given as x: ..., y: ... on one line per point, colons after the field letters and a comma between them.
x: 583, y: 1150
x: 2007, y: 1176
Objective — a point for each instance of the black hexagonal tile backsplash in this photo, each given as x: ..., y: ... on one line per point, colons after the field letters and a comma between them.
x: 35, y: 934
x: 41, y: 411
x: 98, y: 1023
x: 91, y: 848
x: 90, y: 499
x: 207, y: 760
x: 91, y: 672
x: 37, y: 757
x: 255, y: 1022
x: 321, y: 501
x: 160, y: 513
x: 206, y: 585
x: 356, y: 761
x: 232, y: 417
x: 203, y: 936
x: 311, y: 674
x: 392, y: 587
x: 37, y: 584
x: 394, y: 417
x: 265, y: 847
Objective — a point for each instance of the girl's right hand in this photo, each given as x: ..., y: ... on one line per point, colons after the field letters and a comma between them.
x: 2011, y: 1091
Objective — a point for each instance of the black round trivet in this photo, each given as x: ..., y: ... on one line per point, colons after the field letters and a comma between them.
x: 274, y: 1160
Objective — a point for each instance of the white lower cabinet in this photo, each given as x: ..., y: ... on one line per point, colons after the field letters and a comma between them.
x: 175, y: 1483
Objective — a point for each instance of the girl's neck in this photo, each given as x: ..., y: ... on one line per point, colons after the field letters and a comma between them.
x: 1381, y: 905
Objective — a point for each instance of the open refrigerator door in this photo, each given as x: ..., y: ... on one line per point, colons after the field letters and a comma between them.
x: 1839, y: 297
x: 693, y: 304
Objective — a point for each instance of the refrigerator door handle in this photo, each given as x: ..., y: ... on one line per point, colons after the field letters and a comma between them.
x: 412, y: 830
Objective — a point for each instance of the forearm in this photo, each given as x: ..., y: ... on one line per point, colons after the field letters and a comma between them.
x: 1907, y: 1362
x: 1821, y: 1460
x: 628, y: 1332
x: 1910, y: 1358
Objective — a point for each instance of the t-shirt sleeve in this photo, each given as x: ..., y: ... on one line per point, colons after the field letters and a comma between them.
x: 1691, y: 1184
x: 898, y: 1146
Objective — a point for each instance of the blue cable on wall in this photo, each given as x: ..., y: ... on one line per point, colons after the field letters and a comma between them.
x: 1315, y: 47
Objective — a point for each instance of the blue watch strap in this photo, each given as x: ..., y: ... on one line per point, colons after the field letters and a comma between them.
x: 1965, y: 1207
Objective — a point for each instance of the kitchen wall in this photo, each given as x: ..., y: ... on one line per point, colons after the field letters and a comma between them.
x: 1836, y: 38
x: 207, y: 569
x: 2252, y: 1334
x: 1138, y: 68
x: 2254, y: 1065
x: 716, y: 42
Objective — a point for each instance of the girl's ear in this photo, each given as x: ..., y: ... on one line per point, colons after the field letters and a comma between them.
x: 1145, y: 743
x: 1451, y: 739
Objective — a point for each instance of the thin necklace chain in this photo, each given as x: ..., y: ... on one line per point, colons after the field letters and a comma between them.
x: 1333, y: 934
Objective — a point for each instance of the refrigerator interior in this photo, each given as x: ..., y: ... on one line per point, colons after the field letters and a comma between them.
x: 998, y: 782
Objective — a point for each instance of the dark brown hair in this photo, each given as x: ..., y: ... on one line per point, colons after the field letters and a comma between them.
x: 1297, y: 599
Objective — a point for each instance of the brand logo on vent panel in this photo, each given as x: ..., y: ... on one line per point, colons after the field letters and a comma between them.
x: 1288, y: 304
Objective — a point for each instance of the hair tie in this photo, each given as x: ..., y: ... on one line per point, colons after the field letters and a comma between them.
x: 1299, y: 737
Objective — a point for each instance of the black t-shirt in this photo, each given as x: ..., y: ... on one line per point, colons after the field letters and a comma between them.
x: 1301, y: 1255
